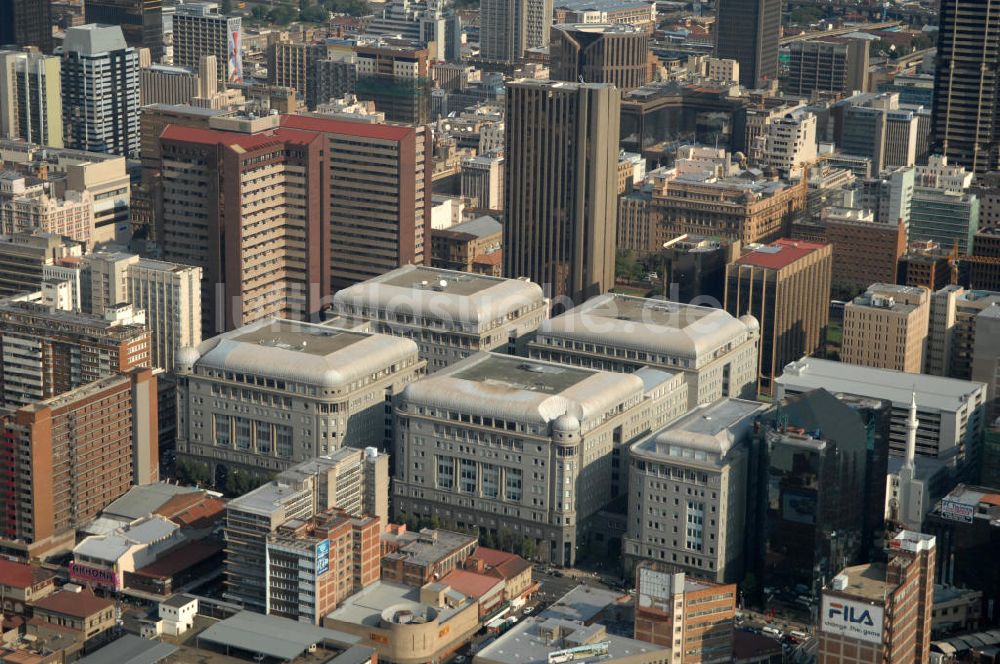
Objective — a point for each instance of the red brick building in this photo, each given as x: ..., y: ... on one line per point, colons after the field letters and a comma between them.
x: 65, y: 459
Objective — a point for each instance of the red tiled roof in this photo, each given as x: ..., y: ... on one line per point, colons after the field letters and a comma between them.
x: 360, y: 129
x: 494, y: 258
x: 511, y: 568
x: 14, y: 574
x: 79, y: 605
x: 788, y: 251
x: 493, y: 557
x: 470, y: 584
x: 991, y: 499
x: 193, y: 510
x: 181, y: 558
x: 235, y: 138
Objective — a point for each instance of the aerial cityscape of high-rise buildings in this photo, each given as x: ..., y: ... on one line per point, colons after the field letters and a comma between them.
x: 500, y: 331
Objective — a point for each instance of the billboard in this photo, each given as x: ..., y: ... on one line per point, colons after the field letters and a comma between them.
x: 94, y: 576
x: 235, y: 50
x: 322, y: 557
x: 851, y: 619
x: 956, y: 511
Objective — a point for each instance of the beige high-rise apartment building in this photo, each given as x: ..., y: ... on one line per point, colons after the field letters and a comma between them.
x: 199, y: 29
x: 103, y: 280
x: 31, y: 97
x: 561, y: 184
x: 508, y: 27
x: 170, y: 294
x: 952, y: 340
x: 886, y: 328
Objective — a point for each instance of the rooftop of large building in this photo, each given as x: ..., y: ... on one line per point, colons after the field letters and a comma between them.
x: 480, y: 227
x: 428, y: 546
x: 657, y: 326
x: 77, y: 602
x: 933, y: 392
x: 57, y: 320
x: 275, y: 638
x: 705, y: 434
x: 460, y: 300
x: 536, y: 639
x: 92, y: 39
x: 504, y: 386
x: 779, y: 254
x: 22, y: 575
x: 301, y: 352
x: 139, y: 501
x: 386, y: 601
x: 78, y: 395
x: 581, y: 604
x: 601, y: 28
x: 266, y: 499
x: 891, y: 297
x: 113, y: 546
x: 865, y: 581
x: 967, y: 503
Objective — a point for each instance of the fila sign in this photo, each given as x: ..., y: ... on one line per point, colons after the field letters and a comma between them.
x: 851, y: 619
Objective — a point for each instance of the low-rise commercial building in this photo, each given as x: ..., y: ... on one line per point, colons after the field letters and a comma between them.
x: 101, y: 561
x: 408, y: 625
x: 419, y: 558
x: 78, y: 609
x: 22, y: 584
x: 337, y: 381
x: 450, y: 315
x: 886, y: 328
x: 572, y: 627
x: 674, y: 607
x: 523, y: 447
x: 715, y: 352
x: 463, y: 246
x: 687, y: 492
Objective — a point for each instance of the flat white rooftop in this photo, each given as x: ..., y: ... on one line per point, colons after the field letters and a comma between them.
x: 933, y: 392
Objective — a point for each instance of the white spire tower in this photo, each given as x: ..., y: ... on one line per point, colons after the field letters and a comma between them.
x: 912, y: 423
x: 910, y: 500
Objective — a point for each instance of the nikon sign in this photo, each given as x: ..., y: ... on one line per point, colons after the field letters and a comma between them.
x: 851, y: 619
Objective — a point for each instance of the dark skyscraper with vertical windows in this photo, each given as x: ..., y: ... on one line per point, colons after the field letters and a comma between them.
x: 748, y: 31
x: 26, y: 23
x: 141, y: 21
x: 966, y: 83
x: 561, y: 186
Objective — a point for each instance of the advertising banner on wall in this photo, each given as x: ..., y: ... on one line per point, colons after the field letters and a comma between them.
x: 851, y: 619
